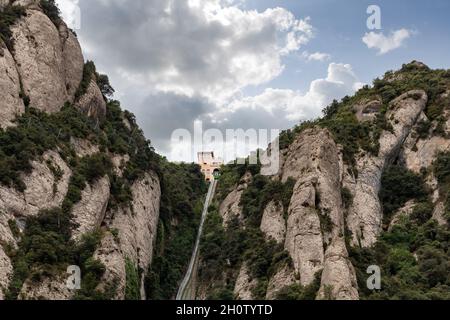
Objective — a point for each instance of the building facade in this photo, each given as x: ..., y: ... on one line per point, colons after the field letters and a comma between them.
x: 210, y: 166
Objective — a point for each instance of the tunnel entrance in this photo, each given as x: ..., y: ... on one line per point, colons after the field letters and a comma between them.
x: 216, y: 174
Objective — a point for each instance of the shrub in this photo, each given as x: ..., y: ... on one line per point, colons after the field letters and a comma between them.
x: 422, y: 212
x: 183, y: 191
x: 52, y: 11
x: 442, y: 168
x: 423, y: 129
x: 8, y: 16
x: 132, y: 289
x: 104, y: 85
x: 89, y: 72
x: 298, y: 292
x: 412, y: 259
x: 347, y: 198
x: 398, y: 186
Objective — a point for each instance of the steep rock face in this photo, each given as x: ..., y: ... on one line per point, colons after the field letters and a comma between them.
x: 405, y: 211
x: 244, y: 285
x: 11, y: 105
x: 84, y: 148
x: 273, y: 224
x: 46, y: 289
x: 365, y: 216
x: 283, y: 278
x: 230, y: 207
x: 119, y: 163
x: 136, y: 230
x: 50, y: 63
x: 110, y: 254
x: 73, y: 60
x: 420, y: 153
x: 304, y: 239
x: 315, y: 237
x: 32, y: 4
x: 338, y: 276
x: 88, y: 214
x: 5, y: 272
x: 367, y: 110
x: 439, y: 212
x: 47, y: 64
x: 92, y: 102
x: 423, y: 152
x: 134, y: 234
x: 43, y: 191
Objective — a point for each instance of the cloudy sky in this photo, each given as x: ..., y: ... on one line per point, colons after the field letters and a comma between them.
x: 249, y: 64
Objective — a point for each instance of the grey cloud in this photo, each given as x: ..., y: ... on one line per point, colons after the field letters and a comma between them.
x: 161, y: 114
x: 171, y: 63
x: 172, y: 45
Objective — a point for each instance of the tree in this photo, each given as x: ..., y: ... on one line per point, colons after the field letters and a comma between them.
x: 104, y: 85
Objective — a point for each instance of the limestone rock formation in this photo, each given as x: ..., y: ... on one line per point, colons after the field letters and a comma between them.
x: 405, y: 211
x: 230, y: 208
x: 119, y: 163
x: 368, y: 110
x: 84, y: 148
x: 365, y: 216
x: 285, y: 277
x: 338, y: 276
x: 5, y: 272
x: 11, y: 105
x: 89, y: 213
x: 92, y: 102
x: 244, y: 285
x: 110, y: 254
x: 273, y: 224
x: 43, y: 191
x: 46, y: 289
x: 318, y: 194
x: 136, y: 230
x: 49, y: 62
x: 304, y: 239
x: 73, y: 60
x: 46, y: 67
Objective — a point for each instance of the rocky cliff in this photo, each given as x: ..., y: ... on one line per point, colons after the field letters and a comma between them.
x: 76, y: 194
x: 366, y: 185
x: 363, y: 174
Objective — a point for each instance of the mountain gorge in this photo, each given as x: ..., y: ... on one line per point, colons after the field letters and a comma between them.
x: 365, y: 185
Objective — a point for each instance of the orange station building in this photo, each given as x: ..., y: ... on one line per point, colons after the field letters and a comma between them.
x: 210, y: 165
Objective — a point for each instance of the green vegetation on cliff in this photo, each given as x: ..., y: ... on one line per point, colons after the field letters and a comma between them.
x: 413, y: 254
x: 46, y: 247
x: 8, y: 16
x: 183, y: 192
x: 414, y: 261
x: 442, y: 173
x: 399, y: 186
x: 224, y: 250
x: 356, y: 136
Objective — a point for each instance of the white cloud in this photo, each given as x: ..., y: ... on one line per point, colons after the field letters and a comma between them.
x: 211, y: 48
x: 173, y: 62
x: 316, y: 56
x: 295, y: 106
x: 383, y: 43
x: 70, y: 12
x: 272, y: 109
